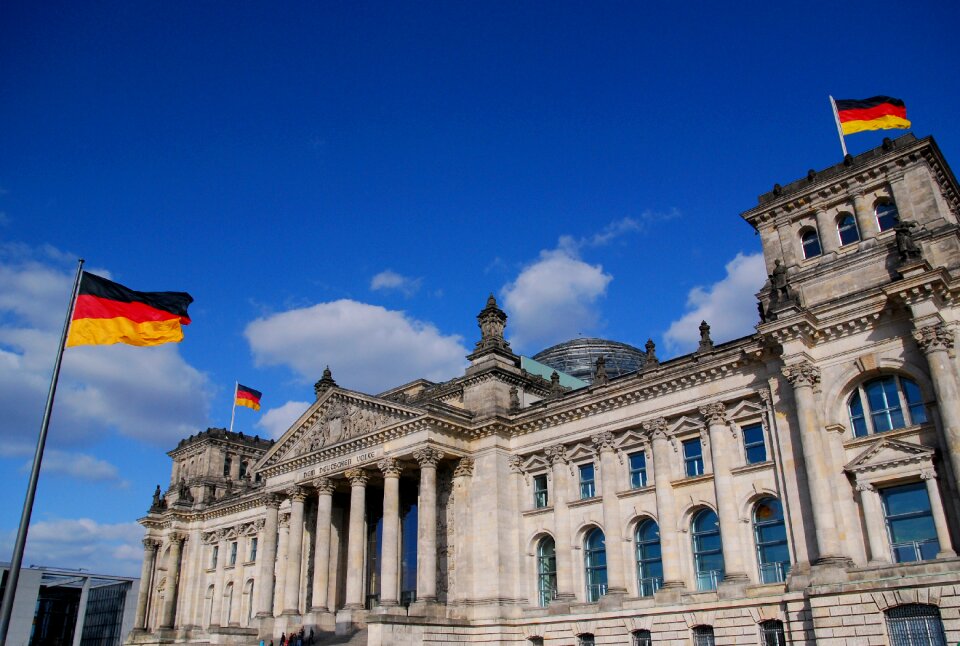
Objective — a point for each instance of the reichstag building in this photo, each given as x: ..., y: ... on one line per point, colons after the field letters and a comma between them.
x: 794, y: 486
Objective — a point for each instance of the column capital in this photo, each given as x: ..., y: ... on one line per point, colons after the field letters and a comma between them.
x: 928, y: 474
x: 516, y: 464
x: 270, y: 500
x: 934, y: 338
x: 357, y: 477
x: 464, y: 468
x: 176, y: 537
x: 715, y: 414
x: 865, y: 486
x: 150, y: 544
x: 296, y: 493
x: 427, y: 456
x: 603, y: 441
x: 802, y: 374
x: 556, y: 454
x: 657, y: 428
x: 324, y: 486
x: 390, y: 467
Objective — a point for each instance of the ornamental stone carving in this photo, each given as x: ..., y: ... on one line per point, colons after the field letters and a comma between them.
x: 802, y: 374
x: 389, y: 467
x: 715, y: 414
x: 657, y: 428
x: 297, y: 494
x: 515, y: 464
x: 556, y: 453
x: 464, y: 468
x: 271, y: 500
x: 427, y: 456
x: 865, y: 486
x: 176, y: 537
x: 928, y: 474
x: 603, y: 441
x: 324, y: 486
x: 357, y: 477
x: 284, y: 520
x: 150, y: 544
x: 934, y: 338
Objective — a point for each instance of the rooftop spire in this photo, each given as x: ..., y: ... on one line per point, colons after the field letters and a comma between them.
x: 326, y: 382
x: 492, y: 321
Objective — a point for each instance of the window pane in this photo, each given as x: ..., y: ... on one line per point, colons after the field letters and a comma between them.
x: 847, y: 228
x: 856, y: 415
x: 906, y: 499
x: 911, y: 392
x: 887, y: 216
x: 753, y: 441
x: 811, y: 244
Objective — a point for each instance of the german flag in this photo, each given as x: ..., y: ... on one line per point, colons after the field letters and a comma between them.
x: 248, y: 397
x: 107, y: 312
x: 876, y: 113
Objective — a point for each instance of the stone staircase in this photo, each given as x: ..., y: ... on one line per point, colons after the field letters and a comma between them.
x: 358, y: 638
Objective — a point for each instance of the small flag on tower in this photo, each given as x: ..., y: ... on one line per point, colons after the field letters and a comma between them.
x: 876, y: 113
x: 106, y: 312
x: 248, y: 397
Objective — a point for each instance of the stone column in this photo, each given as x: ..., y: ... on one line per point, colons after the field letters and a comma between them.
x: 146, y: 581
x: 520, y: 560
x: 666, y: 508
x: 936, y: 341
x: 866, y: 221
x: 616, y: 574
x: 428, y: 458
x: 939, y: 519
x: 355, y: 538
x: 557, y: 456
x: 321, y: 561
x: 464, y: 534
x: 723, y: 491
x: 873, y: 515
x: 827, y: 232
x: 173, y: 576
x: 268, y: 557
x: 291, y: 583
x: 281, y: 567
x: 390, y: 549
x: 803, y: 377
x: 219, y: 580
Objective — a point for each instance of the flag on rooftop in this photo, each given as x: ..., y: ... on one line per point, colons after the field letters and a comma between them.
x: 248, y: 397
x: 106, y: 312
x: 875, y: 113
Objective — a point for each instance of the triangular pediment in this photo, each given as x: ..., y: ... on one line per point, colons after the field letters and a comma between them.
x: 745, y: 409
x: 339, y: 416
x: 580, y: 451
x: 685, y: 425
x: 887, y: 453
x: 535, y: 462
x: 633, y: 437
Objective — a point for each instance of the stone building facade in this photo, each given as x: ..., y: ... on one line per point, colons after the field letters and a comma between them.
x: 795, y: 486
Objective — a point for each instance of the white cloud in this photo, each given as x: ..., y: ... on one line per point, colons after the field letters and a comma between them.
x: 391, y: 280
x: 368, y: 347
x: 102, y: 548
x: 102, y: 387
x: 729, y: 306
x: 78, y: 465
x: 277, y: 420
x: 554, y: 299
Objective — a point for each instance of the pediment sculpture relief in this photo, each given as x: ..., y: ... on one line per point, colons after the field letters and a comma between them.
x: 342, y: 421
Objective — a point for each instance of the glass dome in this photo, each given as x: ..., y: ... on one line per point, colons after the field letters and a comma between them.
x: 578, y: 357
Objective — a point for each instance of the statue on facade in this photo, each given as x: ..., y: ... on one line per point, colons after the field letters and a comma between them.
x: 183, y: 492
x: 782, y: 294
x: 156, y: 497
x: 600, y: 376
x: 907, y: 246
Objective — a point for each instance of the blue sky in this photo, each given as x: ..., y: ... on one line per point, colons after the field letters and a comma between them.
x: 344, y: 183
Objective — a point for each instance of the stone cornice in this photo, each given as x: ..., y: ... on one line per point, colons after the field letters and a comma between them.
x: 935, y: 284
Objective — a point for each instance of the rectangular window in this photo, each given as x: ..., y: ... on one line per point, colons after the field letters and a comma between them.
x: 638, y: 470
x: 540, y: 496
x: 753, y: 444
x: 588, y: 487
x: 253, y: 548
x: 693, y: 457
x: 913, y: 536
x: 233, y: 553
x: 213, y: 556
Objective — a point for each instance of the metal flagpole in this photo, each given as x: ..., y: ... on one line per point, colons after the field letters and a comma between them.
x: 233, y: 411
x: 836, y: 117
x: 17, y: 558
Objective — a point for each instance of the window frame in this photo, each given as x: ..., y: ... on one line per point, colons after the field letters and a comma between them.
x: 234, y: 548
x: 933, y: 539
x: 917, y: 630
x: 847, y: 222
x: 641, y: 637
x: 595, y: 572
x: 546, y: 578
x: 707, y: 578
x: 214, y: 556
x: 772, y: 633
x: 890, y: 206
x: 780, y: 569
x: 646, y: 580
x: 804, y: 242
x: 253, y: 549
x: 863, y: 423
x: 703, y: 635
x: 588, y: 487
x: 586, y: 639
x: 541, y: 497
x: 762, y: 442
x: 641, y: 471
x: 696, y: 461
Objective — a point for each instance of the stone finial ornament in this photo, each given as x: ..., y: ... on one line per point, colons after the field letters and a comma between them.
x: 555, y: 388
x: 706, y: 343
x: 600, y: 376
x: 650, y: 359
x: 492, y: 321
x: 326, y: 383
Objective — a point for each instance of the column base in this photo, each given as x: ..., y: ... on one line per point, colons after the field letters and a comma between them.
x: 613, y: 599
x: 350, y: 619
x: 427, y: 608
x: 669, y: 592
x: 735, y: 577
x: 946, y: 554
x: 832, y: 560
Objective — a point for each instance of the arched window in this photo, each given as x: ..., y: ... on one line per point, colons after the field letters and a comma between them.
x: 535, y: 641
x: 810, y: 241
x: 887, y: 215
x: 910, y: 527
x: 649, y: 563
x: 546, y: 570
x: 770, y: 535
x: 892, y: 402
x: 208, y: 603
x: 248, y: 600
x: 847, y: 229
x: 585, y: 639
x: 703, y: 636
x: 707, y: 550
x: 243, y: 469
x: 595, y: 564
x: 642, y: 638
x: 227, y: 463
x: 771, y: 633
x: 227, y: 605
x: 915, y: 624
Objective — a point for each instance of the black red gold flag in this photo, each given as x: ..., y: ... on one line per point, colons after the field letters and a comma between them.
x: 107, y: 312
x: 248, y: 397
x: 875, y: 113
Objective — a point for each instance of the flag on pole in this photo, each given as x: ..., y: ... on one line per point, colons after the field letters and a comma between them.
x: 248, y: 397
x: 875, y: 113
x: 106, y: 312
